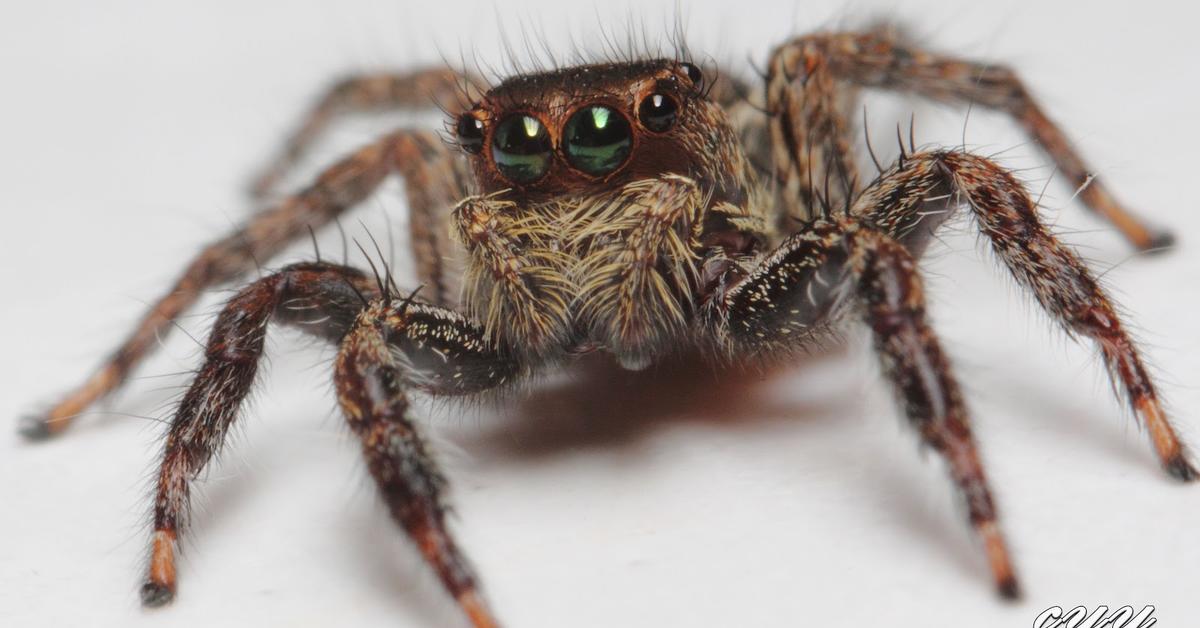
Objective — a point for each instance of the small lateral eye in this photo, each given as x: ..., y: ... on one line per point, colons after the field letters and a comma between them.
x: 521, y: 148
x: 469, y: 130
x: 693, y: 73
x: 597, y: 140
x: 658, y: 112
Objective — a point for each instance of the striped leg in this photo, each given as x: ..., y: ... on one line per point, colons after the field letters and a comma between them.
x: 388, y: 347
x: 890, y: 288
x: 319, y: 298
x: 911, y: 199
x: 810, y: 91
x: 423, y: 89
x: 830, y: 266
x: 342, y: 186
x: 401, y: 346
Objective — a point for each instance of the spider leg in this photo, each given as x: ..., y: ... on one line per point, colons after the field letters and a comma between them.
x: 435, y: 180
x: 416, y: 154
x: 213, y: 400
x: 423, y: 89
x: 810, y: 279
x: 396, y: 347
x: 744, y: 105
x: 807, y: 93
x: 388, y: 346
x: 811, y: 127
x: 911, y: 199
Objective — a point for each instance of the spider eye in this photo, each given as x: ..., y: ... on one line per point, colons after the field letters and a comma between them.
x: 597, y: 140
x: 469, y: 130
x: 693, y: 73
x: 521, y: 148
x: 658, y: 112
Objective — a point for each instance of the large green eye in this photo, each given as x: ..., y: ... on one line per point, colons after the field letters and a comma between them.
x: 521, y: 148
x: 597, y: 140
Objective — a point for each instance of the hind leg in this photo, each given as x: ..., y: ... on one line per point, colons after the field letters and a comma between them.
x: 423, y: 89
x: 416, y: 154
x: 810, y: 92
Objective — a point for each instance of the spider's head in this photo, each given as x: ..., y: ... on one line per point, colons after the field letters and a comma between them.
x: 592, y: 127
x: 597, y: 187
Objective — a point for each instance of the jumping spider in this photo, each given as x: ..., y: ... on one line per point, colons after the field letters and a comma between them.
x: 639, y: 209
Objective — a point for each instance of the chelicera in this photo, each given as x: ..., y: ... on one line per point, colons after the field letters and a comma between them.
x: 633, y: 209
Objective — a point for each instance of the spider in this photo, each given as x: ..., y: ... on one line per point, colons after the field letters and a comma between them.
x: 640, y: 209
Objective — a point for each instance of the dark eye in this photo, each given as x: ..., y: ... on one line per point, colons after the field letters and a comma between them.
x: 597, y: 140
x: 470, y: 133
x: 658, y: 112
x: 521, y: 148
x: 694, y: 74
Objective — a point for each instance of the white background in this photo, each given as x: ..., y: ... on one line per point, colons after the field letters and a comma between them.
x: 126, y: 135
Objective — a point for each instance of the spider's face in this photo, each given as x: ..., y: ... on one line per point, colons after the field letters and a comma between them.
x: 597, y: 188
x: 587, y: 128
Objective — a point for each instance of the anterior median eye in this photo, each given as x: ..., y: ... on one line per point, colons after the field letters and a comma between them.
x: 597, y: 140
x: 521, y: 148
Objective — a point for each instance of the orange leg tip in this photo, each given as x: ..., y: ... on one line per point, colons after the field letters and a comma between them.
x: 1180, y: 468
x: 477, y: 611
x: 156, y: 594
x: 997, y: 553
x: 35, y: 428
x: 159, y: 588
x: 1158, y: 242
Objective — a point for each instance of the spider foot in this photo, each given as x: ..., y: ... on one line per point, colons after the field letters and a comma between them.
x: 159, y: 588
x: 1009, y: 589
x: 1181, y: 468
x: 477, y: 611
x: 1158, y: 242
x: 155, y: 595
x: 1002, y: 569
x: 35, y: 427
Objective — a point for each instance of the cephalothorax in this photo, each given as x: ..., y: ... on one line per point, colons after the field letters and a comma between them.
x: 635, y: 209
x: 603, y: 191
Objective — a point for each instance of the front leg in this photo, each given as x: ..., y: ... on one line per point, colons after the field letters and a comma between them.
x: 388, y: 346
x: 321, y: 299
x: 832, y: 267
x: 400, y: 346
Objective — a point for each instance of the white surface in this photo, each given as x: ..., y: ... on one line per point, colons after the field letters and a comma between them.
x: 128, y: 130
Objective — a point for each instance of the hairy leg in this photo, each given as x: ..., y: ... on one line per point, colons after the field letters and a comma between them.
x: 389, y: 345
x: 744, y: 105
x: 832, y: 266
x: 320, y: 298
x: 337, y: 189
x: 910, y: 200
x: 397, y: 346
x: 808, y: 99
x: 811, y: 125
x: 428, y: 88
x: 435, y: 181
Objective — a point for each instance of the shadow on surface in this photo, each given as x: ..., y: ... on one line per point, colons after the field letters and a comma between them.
x: 599, y: 404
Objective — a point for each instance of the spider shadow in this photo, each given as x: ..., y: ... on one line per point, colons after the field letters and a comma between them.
x: 599, y: 405
x: 1058, y: 421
